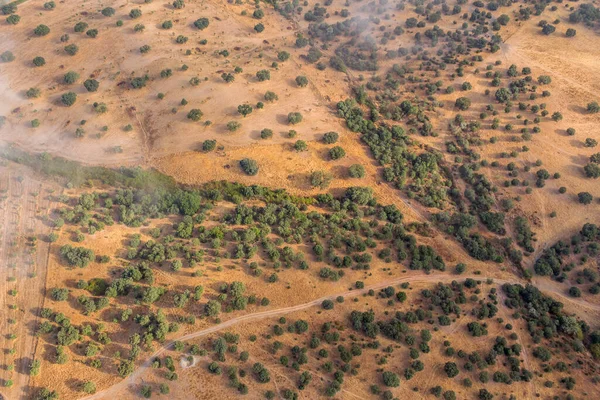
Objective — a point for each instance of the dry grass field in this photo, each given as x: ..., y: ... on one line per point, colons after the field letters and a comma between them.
x: 182, y: 181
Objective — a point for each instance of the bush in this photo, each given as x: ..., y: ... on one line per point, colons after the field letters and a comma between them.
x: 271, y: 96
x: 13, y: 19
x: 330, y: 137
x: 41, y: 30
x: 585, y: 198
x: 68, y: 99
x: 201, y: 23
x: 356, y: 171
x: 91, y: 85
x: 462, y: 103
x: 266, y: 133
x: 209, y: 145
x: 80, y: 27
x: 7, y: 56
x: 135, y: 13
x: 249, y: 166
x: 263, y: 75
x: 39, y: 61
x: 320, y: 179
x: 593, y: 107
x: 294, y: 118
x: 33, y: 93
x: 70, y: 77
x: 300, y: 145
x: 71, y: 49
x: 301, y: 81
x: 336, y: 153
x: 108, y: 12
x: 195, y: 115
x: 390, y: 379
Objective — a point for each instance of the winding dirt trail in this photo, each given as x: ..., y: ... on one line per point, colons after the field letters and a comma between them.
x: 113, y: 391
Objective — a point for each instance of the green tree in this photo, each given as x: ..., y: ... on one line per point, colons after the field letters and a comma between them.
x: 68, y: 99
x: 41, y: 30
x: 249, y: 166
x: 195, y: 115
x: 244, y: 109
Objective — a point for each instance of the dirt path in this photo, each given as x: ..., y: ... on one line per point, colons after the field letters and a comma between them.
x: 113, y: 391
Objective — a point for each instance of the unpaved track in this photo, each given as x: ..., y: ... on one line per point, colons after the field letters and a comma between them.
x: 113, y: 391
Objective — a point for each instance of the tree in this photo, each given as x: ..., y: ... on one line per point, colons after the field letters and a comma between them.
x: 585, y: 198
x: 356, y: 171
x: 71, y: 49
x: 258, y: 13
x: 135, y: 13
x: 589, y: 142
x: 7, y: 56
x: 330, y: 137
x: 571, y: 32
x: 283, y: 56
x: 271, y: 96
x: 300, y: 145
x: 108, y: 11
x: 59, y: 294
x: 390, y: 379
x: 462, y: 103
x: 89, y: 387
x: 80, y: 27
x: 548, y: 29
x: 178, y: 4
x: 68, y: 99
x: 263, y: 75
x: 195, y: 114
x: 33, y: 93
x: 39, y: 61
x: 201, y: 23
x: 71, y: 77
x: 320, y: 179
x: 13, y: 19
x: 503, y: 95
x: 503, y: 19
x: 593, y: 107
x: 301, y: 81
x: 592, y: 170
x: 227, y: 77
x: 335, y: 153
x: 556, y: 116
x: 294, y: 118
x: 93, y: 33
x: 259, y: 28
x: 451, y: 369
x: 91, y: 85
x: 244, y: 109
x: 41, y: 30
x: 249, y: 166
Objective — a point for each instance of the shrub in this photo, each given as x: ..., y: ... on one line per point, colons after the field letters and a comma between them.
x: 336, y: 153
x: 356, y: 171
x: 68, y: 99
x: 330, y: 137
x: 320, y: 179
x: 201, y: 23
x: 7, y: 56
x: 584, y: 198
x: 300, y: 145
x: 593, y: 107
x: 71, y: 77
x: 271, y: 96
x: 135, y: 13
x: 195, y: 115
x: 390, y: 379
x: 39, y: 61
x: 41, y: 30
x: 294, y: 118
x: 33, y: 93
x: 71, y: 49
x: 91, y: 85
x: 249, y: 166
x: 13, y: 19
x: 301, y: 81
x: 80, y: 27
x: 263, y: 75
x: 462, y: 103
x: 108, y: 11
x: 266, y: 133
